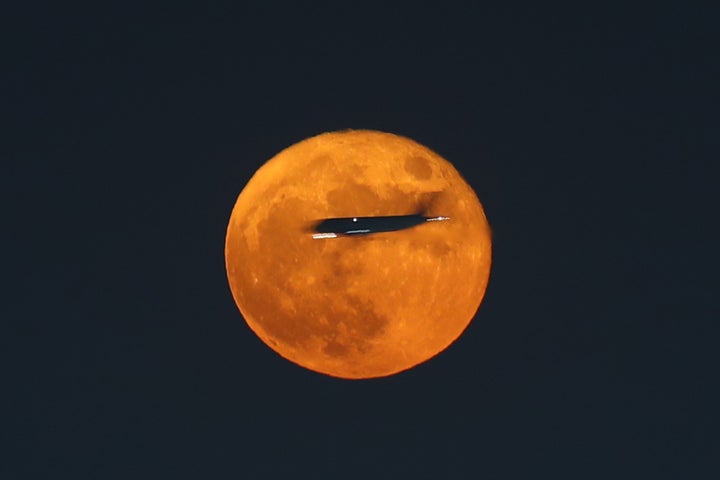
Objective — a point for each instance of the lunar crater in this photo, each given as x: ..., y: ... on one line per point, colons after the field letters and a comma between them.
x: 419, y: 167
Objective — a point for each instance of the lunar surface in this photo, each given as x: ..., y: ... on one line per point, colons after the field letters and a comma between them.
x: 360, y: 306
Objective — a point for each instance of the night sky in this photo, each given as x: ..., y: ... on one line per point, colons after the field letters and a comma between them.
x: 588, y: 135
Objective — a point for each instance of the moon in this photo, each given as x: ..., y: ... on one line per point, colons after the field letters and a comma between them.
x: 362, y: 306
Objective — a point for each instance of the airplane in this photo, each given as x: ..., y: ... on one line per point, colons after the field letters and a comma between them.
x: 349, y: 226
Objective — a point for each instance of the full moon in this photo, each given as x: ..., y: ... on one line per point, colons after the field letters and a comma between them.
x: 360, y: 306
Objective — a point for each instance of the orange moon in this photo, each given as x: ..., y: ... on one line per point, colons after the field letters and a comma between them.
x: 357, y: 306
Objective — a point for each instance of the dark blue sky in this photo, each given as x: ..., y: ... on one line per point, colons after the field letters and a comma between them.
x: 589, y: 135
